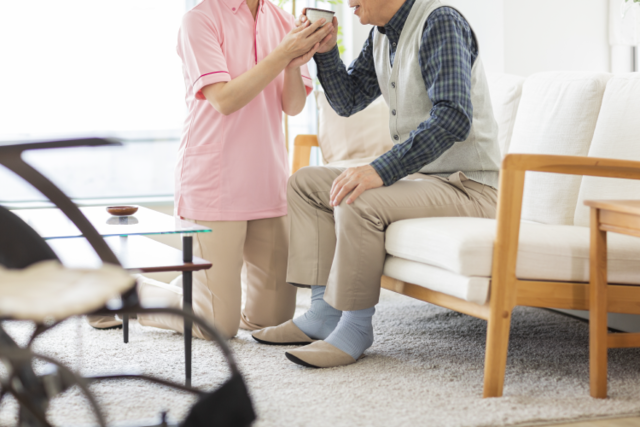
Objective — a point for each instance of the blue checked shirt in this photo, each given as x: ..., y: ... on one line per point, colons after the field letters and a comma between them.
x: 447, y: 54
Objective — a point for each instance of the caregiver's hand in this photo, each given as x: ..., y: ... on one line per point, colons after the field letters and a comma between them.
x: 358, y: 180
x: 302, y: 40
x: 330, y: 41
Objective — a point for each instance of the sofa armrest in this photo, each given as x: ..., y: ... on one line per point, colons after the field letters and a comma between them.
x: 510, y: 196
x: 302, y: 151
x: 572, y: 165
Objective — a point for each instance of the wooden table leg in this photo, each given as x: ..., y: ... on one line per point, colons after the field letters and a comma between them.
x: 598, y: 308
x: 187, y: 289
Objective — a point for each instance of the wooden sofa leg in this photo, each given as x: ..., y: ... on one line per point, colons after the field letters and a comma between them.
x: 598, y: 310
x: 495, y: 363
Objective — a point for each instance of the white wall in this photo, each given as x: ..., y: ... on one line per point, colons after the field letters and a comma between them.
x: 545, y: 35
x: 486, y: 18
x: 524, y: 37
x: 354, y: 34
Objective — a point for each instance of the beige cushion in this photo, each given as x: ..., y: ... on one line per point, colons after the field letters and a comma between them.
x: 506, y: 90
x: 464, y: 246
x: 473, y: 289
x: 47, y: 290
x: 557, y: 115
x: 617, y: 136
x: 362, y: 136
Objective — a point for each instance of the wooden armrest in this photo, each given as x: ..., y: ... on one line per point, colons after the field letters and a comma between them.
x: 306, y: 141
x: 512, y: 177
x: 572, y: 165
x: 302, y: 151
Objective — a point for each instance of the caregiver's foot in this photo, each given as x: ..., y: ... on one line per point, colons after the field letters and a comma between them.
x: 354, y: 333
x: 321, y: 319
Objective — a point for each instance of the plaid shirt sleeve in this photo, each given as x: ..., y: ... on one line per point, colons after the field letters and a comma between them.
x: 348, y: 91
x: 447, y: 53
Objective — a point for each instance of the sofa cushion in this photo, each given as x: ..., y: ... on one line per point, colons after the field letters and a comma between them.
x: 557, y: 115
x: 361, y: 136
x: 546, y: 252
x: 616, y: 136
x: 473, y: 289
x: 506, y: 90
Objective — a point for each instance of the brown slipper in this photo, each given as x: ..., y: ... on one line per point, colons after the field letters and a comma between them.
x: 286, y: 334
x: 320, y: 354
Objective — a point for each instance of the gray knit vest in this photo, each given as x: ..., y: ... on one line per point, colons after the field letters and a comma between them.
x: 405, y: 93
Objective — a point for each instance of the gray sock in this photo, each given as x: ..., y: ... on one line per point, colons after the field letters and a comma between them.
x: 321, y: 319
x: 354, y: 333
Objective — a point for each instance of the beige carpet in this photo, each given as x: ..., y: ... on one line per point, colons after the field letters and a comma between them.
x: 425, y: 368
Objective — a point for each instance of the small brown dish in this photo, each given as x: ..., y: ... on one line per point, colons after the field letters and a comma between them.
x: 122, y: 210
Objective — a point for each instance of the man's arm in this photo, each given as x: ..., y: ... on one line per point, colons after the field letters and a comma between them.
x: 348, y: 91
x: 447, y: 53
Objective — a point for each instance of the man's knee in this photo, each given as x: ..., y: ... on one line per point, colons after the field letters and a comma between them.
x: 312, y: 179
x: 303, y: 177
x: 360, y: 210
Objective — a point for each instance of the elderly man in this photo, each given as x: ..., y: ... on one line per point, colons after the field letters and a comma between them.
x: 423, y: 58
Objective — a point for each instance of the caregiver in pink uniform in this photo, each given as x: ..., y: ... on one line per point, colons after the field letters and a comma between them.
x: 244, y: 65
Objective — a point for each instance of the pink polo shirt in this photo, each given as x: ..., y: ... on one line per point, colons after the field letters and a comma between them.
x: 235, y: 167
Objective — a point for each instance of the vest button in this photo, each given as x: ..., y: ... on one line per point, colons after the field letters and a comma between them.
x: 393, y: 112
x: 394, y: 44
x: 396, y: 137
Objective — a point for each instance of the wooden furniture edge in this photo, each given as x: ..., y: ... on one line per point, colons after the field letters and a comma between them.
x: 623, y: 206
x: 302, y: 145
x: 572, y: 165
x: 575, y: 296
x: 436, y: 298
x: 623, y: 340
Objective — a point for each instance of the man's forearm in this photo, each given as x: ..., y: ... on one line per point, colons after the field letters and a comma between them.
x: 429, y: 141
x: 347, y: 91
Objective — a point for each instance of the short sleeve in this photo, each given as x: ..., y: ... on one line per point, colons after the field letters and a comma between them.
x: 201, y: 52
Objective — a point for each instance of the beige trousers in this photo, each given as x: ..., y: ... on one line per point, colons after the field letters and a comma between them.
x: 217, y: 294
x: 342, y: 247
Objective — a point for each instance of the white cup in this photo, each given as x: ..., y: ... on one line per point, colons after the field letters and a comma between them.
x: 314, y: 14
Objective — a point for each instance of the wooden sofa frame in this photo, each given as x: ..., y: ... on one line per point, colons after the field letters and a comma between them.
x: 507, y: 291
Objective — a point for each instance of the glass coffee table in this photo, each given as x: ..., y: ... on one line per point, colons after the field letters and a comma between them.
x: 125, y: 235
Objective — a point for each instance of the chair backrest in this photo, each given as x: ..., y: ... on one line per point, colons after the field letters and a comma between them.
x: 557, y: 115
x: 506, y: 91
x: 617, y: 136
x: 20, y: 245
x: 361, y: 136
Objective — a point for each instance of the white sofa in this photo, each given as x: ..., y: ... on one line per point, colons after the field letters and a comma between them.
x: 581, y: 119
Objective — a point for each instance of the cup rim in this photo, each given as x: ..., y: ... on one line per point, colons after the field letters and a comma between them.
x: 320, y: 10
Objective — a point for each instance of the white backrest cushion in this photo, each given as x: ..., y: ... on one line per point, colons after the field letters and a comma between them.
x: 617, y: 136
x: 363, y: 135
x: 557, y: 115
x: 505, y: 90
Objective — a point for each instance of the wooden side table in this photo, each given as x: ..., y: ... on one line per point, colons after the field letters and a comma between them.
x: 617, y: 216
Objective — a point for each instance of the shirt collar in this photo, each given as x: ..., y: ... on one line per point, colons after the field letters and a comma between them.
x: 396, y: 23
x: 234, y: 5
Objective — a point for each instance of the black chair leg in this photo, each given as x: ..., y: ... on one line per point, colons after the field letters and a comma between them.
x: 187, y: 290
x: 125, y: 328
